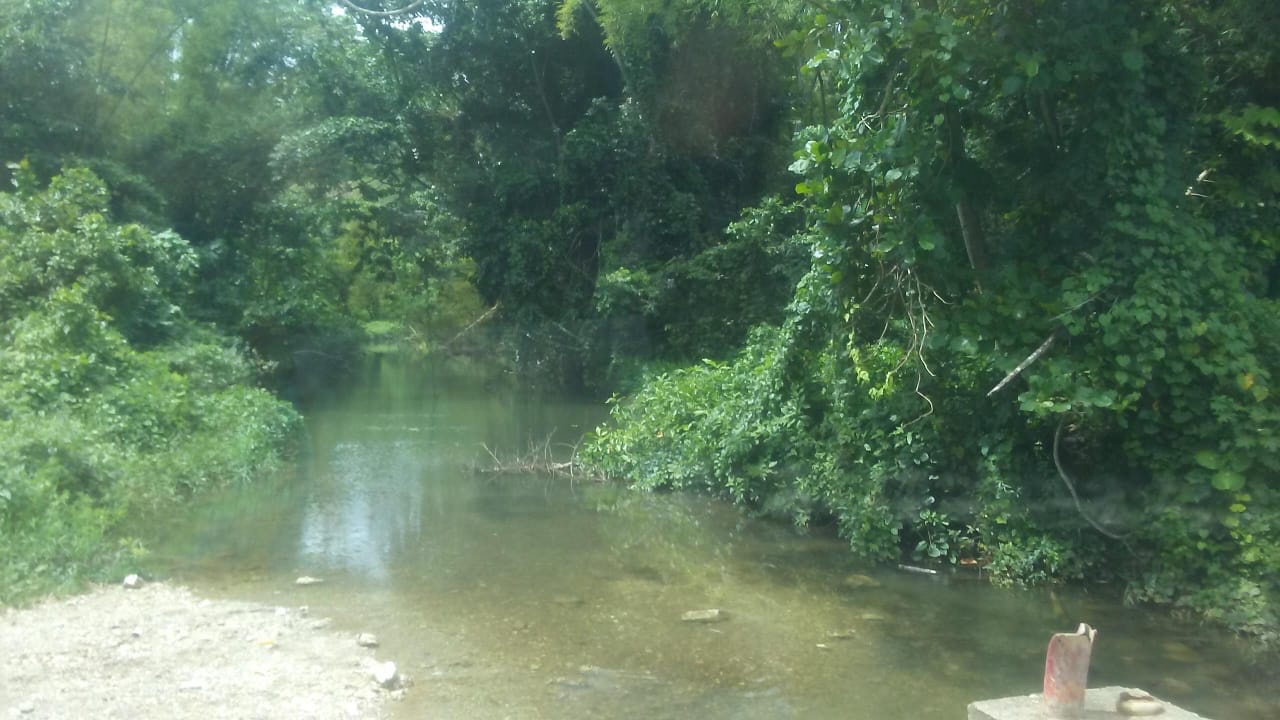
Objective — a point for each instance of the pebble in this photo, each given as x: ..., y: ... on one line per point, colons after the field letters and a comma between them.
x: 368, y: 640
x: 386, y: 675
x: 132, y: 582
x: 1138, y: 704
x: 705, y: 616
x: 27, y: 708
x: 308, y: 580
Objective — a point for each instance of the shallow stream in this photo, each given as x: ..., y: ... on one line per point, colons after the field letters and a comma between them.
x: 524, y: 596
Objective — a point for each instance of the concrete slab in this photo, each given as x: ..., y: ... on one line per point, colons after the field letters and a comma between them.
x: 1099, y: 704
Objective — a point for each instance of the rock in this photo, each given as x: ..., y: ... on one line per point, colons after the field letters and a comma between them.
x: 713, y: 615
x: 398, y: 694
x: 321, y: 623
x: 27, y: 708
x: 1174, y: 685
x: 1138, y: 704
x: 842, y: 634
x: 368, y: 640
x: 1179, y: 652
x: 386, y: 675
x: 858, y: 582
x: 132, y: 582
x: 308, y: 580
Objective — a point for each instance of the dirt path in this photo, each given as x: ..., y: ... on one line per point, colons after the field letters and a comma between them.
x: 159, y: 652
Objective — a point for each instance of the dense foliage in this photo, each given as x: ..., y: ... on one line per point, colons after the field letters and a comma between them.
x: 977, y: 281
x: 113, y: 404
x: 1063, y: 198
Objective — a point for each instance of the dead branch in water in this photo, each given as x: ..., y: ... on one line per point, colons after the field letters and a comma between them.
x: 539, y: 459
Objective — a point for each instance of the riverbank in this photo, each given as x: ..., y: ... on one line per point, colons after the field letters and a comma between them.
x: 161, y: 652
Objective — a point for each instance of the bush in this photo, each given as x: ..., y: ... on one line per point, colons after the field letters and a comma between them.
x: 112, y: 404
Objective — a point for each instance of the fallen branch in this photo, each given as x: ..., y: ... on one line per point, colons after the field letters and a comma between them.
x: 485, y: 316
x: 1044, y: 348
x: 539, y: 460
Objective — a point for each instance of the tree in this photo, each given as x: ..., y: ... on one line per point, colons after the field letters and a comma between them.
x: 1014, y: 196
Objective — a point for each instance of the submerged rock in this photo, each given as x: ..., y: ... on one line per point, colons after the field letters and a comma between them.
x: 1135, y: 703
x: 308, y: 580
x: 385, y: 674
x: 368, y: 640
x: 858, y: 581
x: 712, y: 615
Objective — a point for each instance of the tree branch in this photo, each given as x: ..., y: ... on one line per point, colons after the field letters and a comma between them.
x: 1057, y: 462
x: 1044, y: 348
x: 382, y: 13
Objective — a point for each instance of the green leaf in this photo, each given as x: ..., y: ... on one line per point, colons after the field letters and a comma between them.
x: 1228, y: 480
x: 1208, y: 459
x: 1133, y: 59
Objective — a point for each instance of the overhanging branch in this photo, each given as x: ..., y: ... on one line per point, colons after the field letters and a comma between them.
x: 1044, y: 348
x: 382, y: 13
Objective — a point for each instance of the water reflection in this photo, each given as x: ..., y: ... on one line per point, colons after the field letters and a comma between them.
x: 532, y: 597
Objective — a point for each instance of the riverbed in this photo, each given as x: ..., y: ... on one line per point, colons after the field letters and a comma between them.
x: 530, y: 596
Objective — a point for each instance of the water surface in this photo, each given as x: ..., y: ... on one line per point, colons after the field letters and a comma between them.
x: 525, y: 596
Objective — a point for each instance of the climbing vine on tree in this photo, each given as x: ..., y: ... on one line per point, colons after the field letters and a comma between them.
x: 1040, y: 324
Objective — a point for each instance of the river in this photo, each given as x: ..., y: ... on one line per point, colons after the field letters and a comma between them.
x: 525, y: 596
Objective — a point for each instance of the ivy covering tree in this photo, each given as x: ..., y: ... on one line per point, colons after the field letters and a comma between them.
x: 1040, y: 326
x: 982, y: 282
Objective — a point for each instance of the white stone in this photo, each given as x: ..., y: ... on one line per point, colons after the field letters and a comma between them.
x: 308, y: 580
x: 132, y: 582
x: 385, y: 674
x: 705, y: 616
x: 368, y: 640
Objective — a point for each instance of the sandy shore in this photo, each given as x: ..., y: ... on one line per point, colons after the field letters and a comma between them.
x: 161, y: 652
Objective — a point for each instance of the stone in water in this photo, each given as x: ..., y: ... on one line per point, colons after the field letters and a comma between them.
x: 308, y: 580
x: 705, y: 616
x: 386, y: 675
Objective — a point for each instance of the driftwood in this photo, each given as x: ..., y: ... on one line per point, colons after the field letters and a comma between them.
x: 539, y: 459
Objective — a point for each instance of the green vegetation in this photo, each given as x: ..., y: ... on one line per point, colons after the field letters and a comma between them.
x: 113, y: 405
x: 978, y: 282
x: 1061, y: 199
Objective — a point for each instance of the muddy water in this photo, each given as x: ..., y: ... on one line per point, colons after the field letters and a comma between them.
x: 522, y: 596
